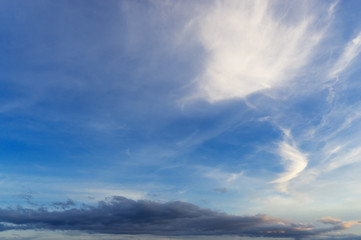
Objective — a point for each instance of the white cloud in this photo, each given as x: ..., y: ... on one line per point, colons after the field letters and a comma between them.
x: 249, y: 48
x: 351, y: 51
x: 339, y: 132
x: 101, y: 193
x: 221, y: 176
x: 350, y: 156
x: 294, y: 160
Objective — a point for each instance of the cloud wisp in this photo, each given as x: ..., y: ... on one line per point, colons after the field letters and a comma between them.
x: 294, y: 160
x: 351, y: 51
x: 250, y: 47
x: 120, y: 215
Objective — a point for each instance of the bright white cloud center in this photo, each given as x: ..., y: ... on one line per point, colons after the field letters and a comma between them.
x: 250, y: 48
x: 293, y: 159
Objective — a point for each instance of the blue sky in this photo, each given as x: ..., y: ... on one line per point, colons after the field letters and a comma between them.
x: 180, y: 119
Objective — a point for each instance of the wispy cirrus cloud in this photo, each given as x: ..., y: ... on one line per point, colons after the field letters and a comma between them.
x: 250, y: 47
x: 293, y: 159
x: 350, y: 52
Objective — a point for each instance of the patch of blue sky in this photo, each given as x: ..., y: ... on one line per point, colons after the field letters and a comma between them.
x: 162, y: 101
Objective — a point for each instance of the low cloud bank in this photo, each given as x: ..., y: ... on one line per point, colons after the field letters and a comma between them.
x: 120, y: 215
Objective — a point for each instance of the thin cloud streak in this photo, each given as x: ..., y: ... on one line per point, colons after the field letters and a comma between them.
x: 351, y: 51
x: 346, y: 158
x: 294, y: 160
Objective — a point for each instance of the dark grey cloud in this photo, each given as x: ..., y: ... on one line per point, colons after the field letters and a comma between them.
x: 28, y: 197
x: 63, y: 205
x: 120, y: 215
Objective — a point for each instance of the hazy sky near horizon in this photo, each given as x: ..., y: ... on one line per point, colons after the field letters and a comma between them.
x: 180, y: 119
